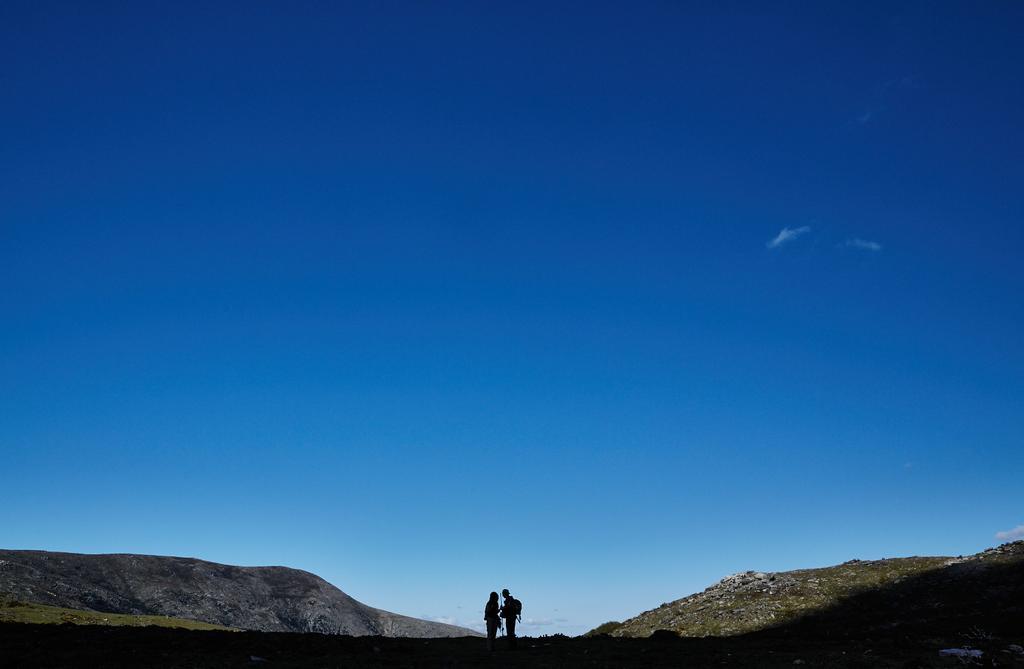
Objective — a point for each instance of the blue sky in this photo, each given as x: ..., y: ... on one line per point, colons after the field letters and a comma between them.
x: 597, y: 304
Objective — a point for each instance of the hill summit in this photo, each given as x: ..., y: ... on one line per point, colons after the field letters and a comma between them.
x: 269, y: 599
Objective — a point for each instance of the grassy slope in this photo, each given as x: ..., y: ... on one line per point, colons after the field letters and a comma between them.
x: 752, y: 601
x: 13, y: 611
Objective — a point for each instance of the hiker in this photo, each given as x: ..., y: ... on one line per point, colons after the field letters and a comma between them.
x: 510, y: 611
x: 492, y: 619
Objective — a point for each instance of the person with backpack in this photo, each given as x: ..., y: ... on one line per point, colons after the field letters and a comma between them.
x: 492, y: 619
x: 511, y: 611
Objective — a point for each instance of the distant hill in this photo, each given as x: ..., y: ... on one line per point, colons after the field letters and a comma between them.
x: 269, y: 599
x: 875, y: 594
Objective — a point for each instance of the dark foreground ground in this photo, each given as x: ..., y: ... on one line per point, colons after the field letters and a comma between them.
x: 92, y: 646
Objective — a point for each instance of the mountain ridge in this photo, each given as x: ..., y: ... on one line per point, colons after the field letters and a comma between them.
x: 266, y: 598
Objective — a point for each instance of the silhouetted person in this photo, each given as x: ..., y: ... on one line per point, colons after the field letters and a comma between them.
x: 492, y: 619
x: 509, y: 611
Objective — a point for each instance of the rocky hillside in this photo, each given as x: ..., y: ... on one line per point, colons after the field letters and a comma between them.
x: 270, y: 599
x: 877, y: 593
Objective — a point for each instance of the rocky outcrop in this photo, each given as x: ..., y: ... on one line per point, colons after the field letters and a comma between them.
x: 882, y: 593
x: 270, y: 599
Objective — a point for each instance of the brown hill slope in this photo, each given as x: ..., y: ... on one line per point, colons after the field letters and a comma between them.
x: 274, y: 599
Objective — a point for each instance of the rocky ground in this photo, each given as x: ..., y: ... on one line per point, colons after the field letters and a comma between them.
x: 879, y: 594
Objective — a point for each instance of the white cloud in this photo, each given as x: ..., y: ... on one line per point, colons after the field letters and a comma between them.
x: 453, y: 620
x: 788, y: 235
x: 550, y: 625
x: 864, y: 244
x: 538, y: 623
x: 1011, y: 535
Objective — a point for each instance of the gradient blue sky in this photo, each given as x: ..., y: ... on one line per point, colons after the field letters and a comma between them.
x: 434, y: 300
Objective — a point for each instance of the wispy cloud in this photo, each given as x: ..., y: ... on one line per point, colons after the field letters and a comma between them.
x: 1011, y: 535
x: 529, y: 625
x: 543, y: 622
x: 454, y: 620
x: 788, y: 235
x: 863, y: 244
x: 908, y: 81
x: 885, y: 97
